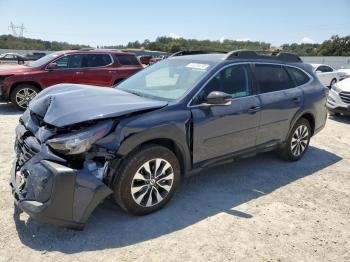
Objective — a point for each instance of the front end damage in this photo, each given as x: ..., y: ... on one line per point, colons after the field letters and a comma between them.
x: 53, y: 187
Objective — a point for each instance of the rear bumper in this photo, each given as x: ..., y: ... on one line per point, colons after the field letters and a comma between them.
x: 56, y: 194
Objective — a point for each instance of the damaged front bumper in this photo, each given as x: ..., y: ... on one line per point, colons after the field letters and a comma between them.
x: 48, y: 190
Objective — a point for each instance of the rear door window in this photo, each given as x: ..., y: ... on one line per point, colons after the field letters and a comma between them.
x: 95, y: 60
x: 127, y: 60
x: 299, y: 76
x: 272, y: 78
x: 324, y: 69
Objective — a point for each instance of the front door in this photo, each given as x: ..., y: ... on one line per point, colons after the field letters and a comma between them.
x: 68, y: 68
x: 220, y: 130
x: 96, y: 70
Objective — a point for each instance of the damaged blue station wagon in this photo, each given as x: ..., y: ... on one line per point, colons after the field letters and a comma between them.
x: 78, y: 144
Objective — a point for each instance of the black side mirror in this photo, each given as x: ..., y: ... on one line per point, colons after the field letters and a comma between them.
x: 52, y: 66
x: 218, y: 98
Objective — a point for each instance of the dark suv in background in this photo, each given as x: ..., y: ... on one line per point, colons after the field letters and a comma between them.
x: 76, y: 144
x: 87, y: 66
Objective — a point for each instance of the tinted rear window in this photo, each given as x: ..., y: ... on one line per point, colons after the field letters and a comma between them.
x: 96, y: 60
x: 299, y: 76
x: 324, y: 69
x: 272, y: 78
x: 128, y: 60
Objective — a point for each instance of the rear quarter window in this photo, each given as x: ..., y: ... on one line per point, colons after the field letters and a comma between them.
x: 272, y: 78
x: 127, y: 60
x: 300, y: 78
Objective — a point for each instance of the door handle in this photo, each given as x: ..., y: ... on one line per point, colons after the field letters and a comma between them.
x: 254, y: 109
x: 79, y: 73
x: 297, y: 100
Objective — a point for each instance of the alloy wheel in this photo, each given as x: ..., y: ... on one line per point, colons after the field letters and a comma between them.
x: 152, y: 182
x: 24, y: 96
x: 299, y: 140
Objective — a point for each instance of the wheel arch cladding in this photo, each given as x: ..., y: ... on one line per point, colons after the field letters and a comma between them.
x: 35, y: 84
x: 168, y: 130
x: 311, y: 119
x: 173, y: 147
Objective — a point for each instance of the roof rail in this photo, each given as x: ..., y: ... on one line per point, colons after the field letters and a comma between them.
x: 267, y: 55
x: 194, y: 52
x: 87, y: 49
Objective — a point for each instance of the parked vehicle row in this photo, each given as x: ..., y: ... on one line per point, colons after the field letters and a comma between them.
x: 148, y: 59
x: 338, y: 102
x: 328, y: 75
x: 78, y: 144
x: 12, y: 58
x: 20, y: 59
x: 92, y: 67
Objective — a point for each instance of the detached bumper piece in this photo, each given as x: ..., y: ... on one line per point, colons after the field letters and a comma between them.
x: 49, y: 191
x: 55, y: 194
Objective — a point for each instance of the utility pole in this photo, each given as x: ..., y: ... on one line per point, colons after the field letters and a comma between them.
x: 17, y: 30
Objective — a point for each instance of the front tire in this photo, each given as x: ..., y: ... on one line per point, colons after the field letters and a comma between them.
x: 147, y: 180
x: 23, y: 94
x: 298, y: 141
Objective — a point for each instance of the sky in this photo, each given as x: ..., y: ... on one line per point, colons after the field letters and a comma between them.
x: 98, y: 22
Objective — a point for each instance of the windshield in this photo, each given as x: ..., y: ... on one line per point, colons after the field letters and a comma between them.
x: 43, y: 60
x: 167, y: 80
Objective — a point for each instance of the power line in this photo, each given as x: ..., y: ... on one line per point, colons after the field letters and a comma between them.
x: 17, y: 30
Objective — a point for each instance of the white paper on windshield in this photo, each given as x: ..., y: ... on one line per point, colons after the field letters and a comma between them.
x: 197, y: 66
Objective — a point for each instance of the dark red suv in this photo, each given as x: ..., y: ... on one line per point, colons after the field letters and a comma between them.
x: 86, y: 66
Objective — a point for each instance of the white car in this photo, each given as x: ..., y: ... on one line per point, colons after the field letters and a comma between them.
x: 327, y: 75
x: 345, y: 70
x: 338, y: 102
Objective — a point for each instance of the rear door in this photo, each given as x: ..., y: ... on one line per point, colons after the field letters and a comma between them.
x: 96, y: 69
x: 280, y: 101
x: 224, y: 129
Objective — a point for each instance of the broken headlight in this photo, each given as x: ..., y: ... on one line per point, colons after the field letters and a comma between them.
x: 80, y: 141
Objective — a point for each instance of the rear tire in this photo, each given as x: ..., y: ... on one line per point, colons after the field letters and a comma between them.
x: 147, y: 180
x: 297, y: 142
x: 21, y: 95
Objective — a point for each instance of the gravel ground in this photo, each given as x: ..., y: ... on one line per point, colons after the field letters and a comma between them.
x: 257, y: 209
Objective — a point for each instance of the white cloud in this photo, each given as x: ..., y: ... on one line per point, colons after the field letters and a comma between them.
x: 307, y: 40
x: 173, y: 35
x: 222, y: 39
x: 245, y: 39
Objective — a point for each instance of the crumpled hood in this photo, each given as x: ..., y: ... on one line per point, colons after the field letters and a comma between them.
x: 66, y: 104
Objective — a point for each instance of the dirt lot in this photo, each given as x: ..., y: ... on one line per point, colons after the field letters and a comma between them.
x: 258, y: 209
